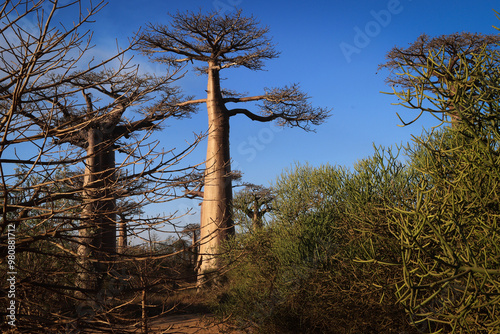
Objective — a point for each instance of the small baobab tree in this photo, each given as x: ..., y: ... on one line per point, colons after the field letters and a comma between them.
x: 253, y: 203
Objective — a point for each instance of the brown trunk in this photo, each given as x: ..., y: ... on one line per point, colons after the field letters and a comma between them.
x: 451, y: 112
x: 194, y: 249
x: 86, y: 278
x: 122, y: 236
x: 216, y: 218
x: 144, y: 316
x: 455, y: 115
x: 108, y: 202
x: 256, y: 216
x: 98, y: 232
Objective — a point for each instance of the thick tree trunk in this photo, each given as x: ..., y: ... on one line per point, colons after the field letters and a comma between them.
x: 216, y: 217
x: 86, y: 278
x: 122, y: 236
x: 108, y: 203
x: 98, y: 227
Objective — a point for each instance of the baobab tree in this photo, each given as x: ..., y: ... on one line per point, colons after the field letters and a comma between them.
x: 78, y: 133
x: 98, y: 126
x: 101, y: 129
x: 254, y: 202
x: 220, y: 42
x: 431, y: 69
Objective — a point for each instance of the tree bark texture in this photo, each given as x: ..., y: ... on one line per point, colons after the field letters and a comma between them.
x: 122, y: 236
x: 216, y: 217
x: 98, y: 225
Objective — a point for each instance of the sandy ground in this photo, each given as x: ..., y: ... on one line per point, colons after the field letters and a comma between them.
x: 186, y: 323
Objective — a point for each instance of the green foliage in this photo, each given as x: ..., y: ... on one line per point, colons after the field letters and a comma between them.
x: 251, y: 205
x: 302, y: 273
x: 450, y: 238
x: 423, y: 234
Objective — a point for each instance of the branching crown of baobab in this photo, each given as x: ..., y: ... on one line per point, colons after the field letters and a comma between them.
x: 230, y: 41
x: 226, y: 40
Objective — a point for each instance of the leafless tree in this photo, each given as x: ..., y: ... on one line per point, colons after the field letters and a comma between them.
x: 76, y: 158
x: 102, y: 131
x: 221, y: 42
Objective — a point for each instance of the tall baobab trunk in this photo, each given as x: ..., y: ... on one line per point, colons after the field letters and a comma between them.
x: 108, y: 203
x: 86, y: 278
x: 98, y: 226
x: 222, y: 42
x: 216, y: 217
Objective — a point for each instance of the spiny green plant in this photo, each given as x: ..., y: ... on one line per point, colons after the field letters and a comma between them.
x: 449, y: 237
x: 302, y: 273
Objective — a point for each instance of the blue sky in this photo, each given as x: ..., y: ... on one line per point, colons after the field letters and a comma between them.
x: 331, y: 48
x: 323, y: 49
x: 313, y: 37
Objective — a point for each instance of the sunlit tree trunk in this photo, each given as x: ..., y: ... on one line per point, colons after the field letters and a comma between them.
x: 216, y: 217
x: 86, y: 278
x: 122, y: 236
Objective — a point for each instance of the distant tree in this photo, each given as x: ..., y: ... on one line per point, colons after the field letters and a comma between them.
x: 254, y: 202
x: 193, y: 232
x: 221, y: 42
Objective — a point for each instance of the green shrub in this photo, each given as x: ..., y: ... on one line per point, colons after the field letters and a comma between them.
x: 302, y: 274
x: 450, y: 237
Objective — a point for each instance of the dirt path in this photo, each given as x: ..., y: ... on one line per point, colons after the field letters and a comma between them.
x: 186, y: 323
